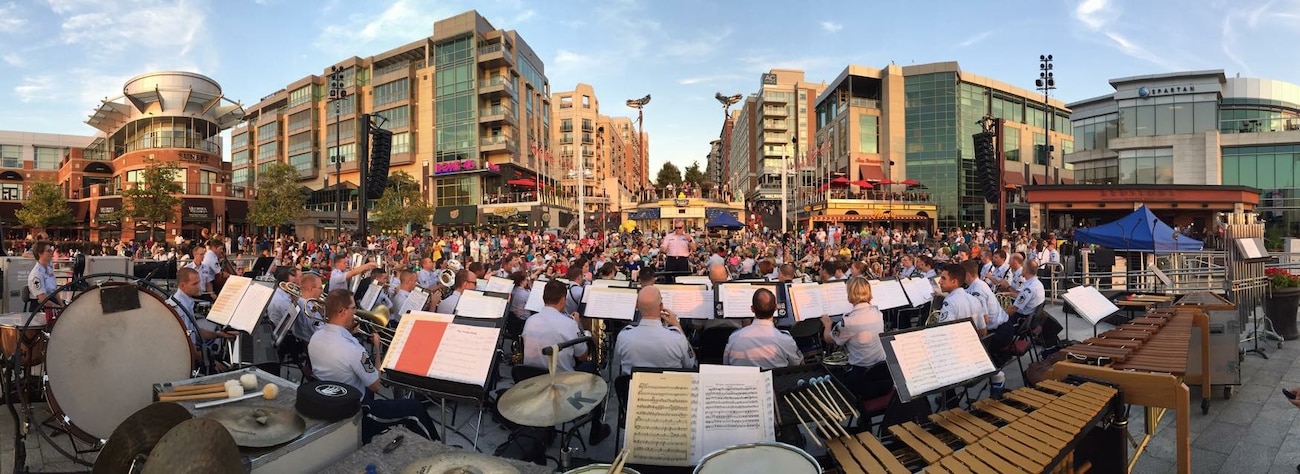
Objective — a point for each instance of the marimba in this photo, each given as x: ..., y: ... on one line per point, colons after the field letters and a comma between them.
x: 1029, y: 430
x: 1147, y: 358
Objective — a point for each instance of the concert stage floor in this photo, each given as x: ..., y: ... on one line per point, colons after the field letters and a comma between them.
x: 1257, y: 431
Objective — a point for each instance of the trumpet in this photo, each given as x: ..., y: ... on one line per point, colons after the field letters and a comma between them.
x: 317, y: 305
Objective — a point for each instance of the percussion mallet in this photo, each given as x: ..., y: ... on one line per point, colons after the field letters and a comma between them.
x: 830, y: 387
x: 813, y: 395
x: 811, y: 415
x: 232, y: 389
x: 827, y: 413
x: 269, y: 392
x: 810, y: 431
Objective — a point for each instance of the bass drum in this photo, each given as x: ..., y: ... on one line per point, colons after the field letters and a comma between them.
x: 103, y: 360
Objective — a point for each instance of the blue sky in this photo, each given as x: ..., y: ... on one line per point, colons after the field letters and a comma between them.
x: 60, y: 57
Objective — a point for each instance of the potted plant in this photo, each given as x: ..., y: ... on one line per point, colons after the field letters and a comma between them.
x: 1282, y: 301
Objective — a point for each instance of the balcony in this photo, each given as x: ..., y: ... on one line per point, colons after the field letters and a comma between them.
x: 497, y: 143
x: 495, y: 55
x: 496, y: 86
x: 776, y: 125
x: 813, y: 196
x: 781, y: 138
x: 775, y: 112
x: 864, y: 102
x: 510, y: 198
x: 1283, y: 124
x: 497, y: 113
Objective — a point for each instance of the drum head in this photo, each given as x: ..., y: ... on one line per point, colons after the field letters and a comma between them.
x: 102, y: 367
x: 759, y: 458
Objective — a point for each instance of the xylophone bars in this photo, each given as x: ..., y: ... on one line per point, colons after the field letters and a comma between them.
x: 1031, y: 430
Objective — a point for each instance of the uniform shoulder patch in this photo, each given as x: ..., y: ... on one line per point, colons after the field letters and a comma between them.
x: 366, y: 363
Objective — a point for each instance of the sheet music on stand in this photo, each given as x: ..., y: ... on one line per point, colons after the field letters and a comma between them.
x: 694, y: 280
x: 441, y: 349
x: 586, y: 295
x: 930, y: 359
x: 475, y: 304
x: 535, y: 302
x: 1090, y: 304
x: 368, y: 299
x: 688, y: 301
x: 733, y: 300
x: 888, y: 294
x: 415, y: 301
x: 724, y: 408
x: 811, y: 300
x: 499, y: 285
x: 607, y: 302
x: 918, y: 290
x: 240, y: 304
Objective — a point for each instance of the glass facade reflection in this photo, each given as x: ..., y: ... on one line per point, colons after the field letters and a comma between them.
x: 1275, y: 170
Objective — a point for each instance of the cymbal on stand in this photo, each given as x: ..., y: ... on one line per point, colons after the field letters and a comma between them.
x: 259, y: 427
x: 553, y: 399
x: 460, y: 463
x: 197, y: 446
x: 137, y: 435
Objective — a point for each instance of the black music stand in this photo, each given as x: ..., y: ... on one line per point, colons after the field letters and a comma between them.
x: 960, y: 331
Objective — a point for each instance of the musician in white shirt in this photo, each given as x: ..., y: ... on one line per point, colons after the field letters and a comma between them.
x: 859, y: 333
x: 761, y: 344
x: 465, y: 280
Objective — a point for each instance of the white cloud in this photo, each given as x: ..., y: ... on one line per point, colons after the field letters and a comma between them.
x: 697, y: 49
x: 13, y: 59
x: 975, y: 39
x: 11, y: 20
x: 1100, y: 17
x: 36, y: 88
x: 709, y: 78
x: 400, y: 23
x: 1094, y: 14
x: 832, y: 27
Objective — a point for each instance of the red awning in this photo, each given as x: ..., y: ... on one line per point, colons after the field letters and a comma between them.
x: 871, y: 172
x: 1013, y: 178
x: 1067, y: 180
x: 526, y: 183
x: 1040, y: 179
x: 887, y: 182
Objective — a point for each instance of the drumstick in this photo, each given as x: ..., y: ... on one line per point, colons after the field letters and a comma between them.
x: 620, y: 460
x: 820, y: 383
x: 199, y: 388
x: 842, y: 398
x: 810, y: 431
x: 812, y: 416
x: 230, y: 392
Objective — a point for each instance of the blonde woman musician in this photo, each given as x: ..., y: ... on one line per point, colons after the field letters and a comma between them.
x: 859, y: 332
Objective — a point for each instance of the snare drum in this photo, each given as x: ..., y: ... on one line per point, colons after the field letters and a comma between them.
x: 759, y: 458
x: 32, y: 340
x: 599, y: 469
x: 101, y: 366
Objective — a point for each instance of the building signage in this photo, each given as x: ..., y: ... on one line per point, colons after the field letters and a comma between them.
x: 457, y: 166
x: 769, y: 79
x: 1145, y: 91
x: 103, y: 210
x: 197, y: 211
x: 681, y: 202
x: 194, y: 157
x: 1135, y: 194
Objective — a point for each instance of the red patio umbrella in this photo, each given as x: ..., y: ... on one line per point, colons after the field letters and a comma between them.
x: 522, y: 182
x: 862, y: 183
x: 823, y: 188
x: 886, y: 181
x: 910, y: 182
x: 840, y: 182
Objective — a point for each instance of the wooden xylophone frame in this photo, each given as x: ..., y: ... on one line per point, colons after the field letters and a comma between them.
x: 1158, y: 386
x: 1030, y: 430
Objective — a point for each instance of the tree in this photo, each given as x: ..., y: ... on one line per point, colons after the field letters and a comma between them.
x: 695, y: 175
x: 669, y: 174
x: 152, y: 200
x: 401, y: 204
x: 280, y: 200
x: 45, y: 206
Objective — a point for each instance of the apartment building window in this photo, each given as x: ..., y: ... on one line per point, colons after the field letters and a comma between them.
x: 1146, y: 166
x: 299, y: 143
x: 566, y: 125
x: 586, y: 138
x: 206, y: 178
x: 347, y: 152
x: 300, y: 120
x: 267, y: 131
x: 1011, y: 144
x: 268, y: 151
x: 392, y: 92
x: 1042, y: 155
x: 401, y: 142
x: 586, y: 126
x: 11, y: 156
x: 264, y: 167
x: 458, y: 191
x: 586, y: 103
x: 345, y: 130
x: 11, y: 191
x: 304, y: 163
x: 868, y: 133
x: 239, y: 177
x: 48, y: 158
x: 239, y: 140
x: 398, y: 117
x: 239, y: 158
x: 566, y: 138
x: 345, y: 106
x: 300, y: 96
x: 566, y: 102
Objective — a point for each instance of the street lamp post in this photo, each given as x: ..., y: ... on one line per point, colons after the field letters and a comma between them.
x: 336, y: 94
x: 640, y: 104
x: 1046, y: 82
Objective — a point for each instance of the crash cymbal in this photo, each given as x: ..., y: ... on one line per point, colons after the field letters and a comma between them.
x: 460, y: 463
x: 259, y: 427
x: 197, y: 446
x: 549, y: 400
x: 137, y: 435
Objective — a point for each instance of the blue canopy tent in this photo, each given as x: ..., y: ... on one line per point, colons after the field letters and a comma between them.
x: 724, y: 220
x: 1140, y: 231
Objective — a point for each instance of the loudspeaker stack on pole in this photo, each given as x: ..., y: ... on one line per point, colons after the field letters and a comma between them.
x: 999, y: 165
x: 363, y: 193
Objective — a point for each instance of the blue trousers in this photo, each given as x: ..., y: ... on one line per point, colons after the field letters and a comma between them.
x: 379, y: 415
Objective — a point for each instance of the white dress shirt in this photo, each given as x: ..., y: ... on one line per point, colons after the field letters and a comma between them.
x: 762, y: 345
x: 860, y: 332
x: 549, y: 327
x: 651, y: 344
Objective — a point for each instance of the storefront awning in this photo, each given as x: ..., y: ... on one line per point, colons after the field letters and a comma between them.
x: 871, y: 172
x: 869, y: 218
x: 645, y: 214
x: 1014, y: 178
x: 1040, y: 179
x: 236, y: 211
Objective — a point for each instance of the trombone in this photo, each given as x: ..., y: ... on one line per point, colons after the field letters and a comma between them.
x: 378, y: 322
x: 316, y: 305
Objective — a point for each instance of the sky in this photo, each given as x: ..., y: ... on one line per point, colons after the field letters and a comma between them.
x: 59, y: 58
